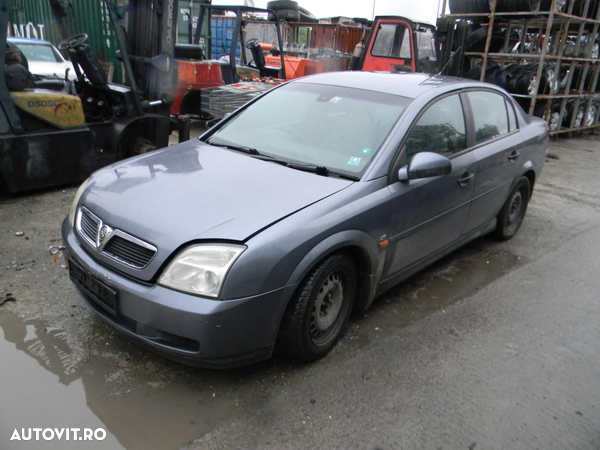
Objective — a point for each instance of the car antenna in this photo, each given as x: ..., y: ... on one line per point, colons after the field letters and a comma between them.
x: 449, y: 61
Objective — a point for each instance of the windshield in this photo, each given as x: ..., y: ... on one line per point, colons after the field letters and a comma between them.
x: 336, y: 128
x: 39, y: 52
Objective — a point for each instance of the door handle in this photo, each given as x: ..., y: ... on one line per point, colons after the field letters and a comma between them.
x: 514, y: 155
x: 465, y: 178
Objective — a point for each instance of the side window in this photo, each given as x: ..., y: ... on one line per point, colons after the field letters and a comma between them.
x: 441, y: 129
x: 392, y: 41
x: 489, y: 114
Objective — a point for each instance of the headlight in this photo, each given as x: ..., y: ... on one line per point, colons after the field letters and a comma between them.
x: 78, y: 195
x: 201, y: 269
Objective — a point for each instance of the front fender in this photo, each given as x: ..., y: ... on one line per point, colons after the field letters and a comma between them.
x: 361, y: 247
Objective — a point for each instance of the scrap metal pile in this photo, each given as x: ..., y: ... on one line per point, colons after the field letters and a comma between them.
x: 221, y: 100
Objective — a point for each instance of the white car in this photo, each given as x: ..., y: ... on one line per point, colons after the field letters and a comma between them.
x: 43, y: 58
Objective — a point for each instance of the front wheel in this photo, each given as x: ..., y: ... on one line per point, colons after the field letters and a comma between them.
x: 513, y: 211
x: 320, y: 309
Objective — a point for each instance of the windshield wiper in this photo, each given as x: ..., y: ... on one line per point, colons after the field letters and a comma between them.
x: 319, y: 170
x: 239, y: 148
x: 312, y: 168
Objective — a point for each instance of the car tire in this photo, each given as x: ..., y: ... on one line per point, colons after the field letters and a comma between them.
x: 545, y: 5
x: 319, y: 311
x: 595, y: 50
x: 284, y: 10
x: 279, y: 5
x: 518, y: 5
x: 579, y: 117
x: 554, y: 123
x: 306, y: 15
x: 590, y: 114
x: 513, y: 211
x: 289, y: 15
x: 469, y: 6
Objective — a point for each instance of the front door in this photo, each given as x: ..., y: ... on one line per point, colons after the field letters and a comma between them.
x: 430, y: 214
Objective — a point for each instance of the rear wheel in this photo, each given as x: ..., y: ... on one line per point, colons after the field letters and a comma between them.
x: 317, y: 314
x: 513, y: 211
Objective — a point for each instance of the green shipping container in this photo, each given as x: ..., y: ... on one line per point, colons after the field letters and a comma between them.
x: 189, y: 11
x: 35, y: 19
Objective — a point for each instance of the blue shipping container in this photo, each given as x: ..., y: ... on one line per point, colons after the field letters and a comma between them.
x: 222, y: 29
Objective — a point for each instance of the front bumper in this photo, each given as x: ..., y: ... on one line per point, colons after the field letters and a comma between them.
x: 192, y: 330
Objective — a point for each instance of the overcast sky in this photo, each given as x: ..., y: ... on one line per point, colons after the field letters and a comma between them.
x: 425, y: 10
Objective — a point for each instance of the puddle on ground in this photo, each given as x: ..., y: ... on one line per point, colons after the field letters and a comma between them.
x: 457, y: 276
x: 62, y: 395
x: 169, y: 405
x: 33, y: 398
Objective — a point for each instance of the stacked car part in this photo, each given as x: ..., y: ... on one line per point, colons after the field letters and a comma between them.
x: 545, y: 53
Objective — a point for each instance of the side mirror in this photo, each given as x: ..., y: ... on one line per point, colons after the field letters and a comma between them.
x: 425, y: 165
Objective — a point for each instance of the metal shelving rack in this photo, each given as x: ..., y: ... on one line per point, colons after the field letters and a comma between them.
x: 564, y: 46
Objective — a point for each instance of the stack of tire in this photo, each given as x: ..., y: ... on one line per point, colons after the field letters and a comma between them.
x: 545, y: 5
x: 520, y: 79
x: 578, y: 9
x: 475, y: 41
x: 582, y: 115
x: 483, y: 6
x: 289, y: 11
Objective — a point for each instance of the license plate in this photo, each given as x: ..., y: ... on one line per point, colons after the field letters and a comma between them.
x: 94, y: 289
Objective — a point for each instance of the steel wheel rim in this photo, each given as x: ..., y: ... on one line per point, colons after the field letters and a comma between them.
x: 326, y: 309
x: 515, y: 213
x: 533, y: 85
x: 552, y: 80
x: 590, y: 116
x: 553, y: 125
x: 579, y: 118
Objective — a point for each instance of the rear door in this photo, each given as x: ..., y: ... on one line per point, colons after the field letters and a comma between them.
x: 498, y: 146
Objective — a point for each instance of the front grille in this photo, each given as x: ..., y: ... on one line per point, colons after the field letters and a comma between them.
x: 125, y: 250
x: 89, y: 227
x: 116, y: 244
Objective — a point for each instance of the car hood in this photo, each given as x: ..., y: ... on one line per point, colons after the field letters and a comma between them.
x: 198, y: 192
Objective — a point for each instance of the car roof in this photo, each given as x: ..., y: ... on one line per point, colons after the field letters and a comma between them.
x: 27, y: 40
x: 410, y: 85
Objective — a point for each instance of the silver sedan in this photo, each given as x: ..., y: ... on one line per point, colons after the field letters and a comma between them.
x: 297, y: 210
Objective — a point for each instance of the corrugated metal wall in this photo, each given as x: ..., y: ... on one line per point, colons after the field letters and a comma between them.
x: 35, y: 19
x: 338, y: 37
x: 32, y: 19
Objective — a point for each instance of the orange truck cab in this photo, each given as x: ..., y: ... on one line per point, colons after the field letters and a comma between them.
x: 397, y: 44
